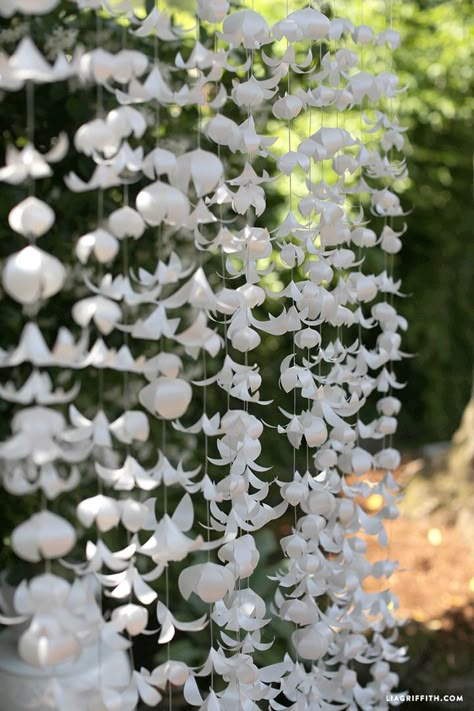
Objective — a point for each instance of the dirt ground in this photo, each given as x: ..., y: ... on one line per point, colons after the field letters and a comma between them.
x: 435, y: 587
x: 436, y: 569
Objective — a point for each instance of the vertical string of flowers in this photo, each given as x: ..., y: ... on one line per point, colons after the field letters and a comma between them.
x: 62, y: 617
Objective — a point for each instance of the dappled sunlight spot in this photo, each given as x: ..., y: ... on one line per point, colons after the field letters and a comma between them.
x: 435, y: 537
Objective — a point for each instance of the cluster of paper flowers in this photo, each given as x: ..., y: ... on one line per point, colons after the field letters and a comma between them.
x: 183, y: 329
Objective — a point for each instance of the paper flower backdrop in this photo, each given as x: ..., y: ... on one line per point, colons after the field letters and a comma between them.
x: 177, y: 284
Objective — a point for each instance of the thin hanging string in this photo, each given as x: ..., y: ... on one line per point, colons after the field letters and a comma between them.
x: 308, y: 351
x: 167, y: 578
x: 161, y: 257
x: 199, y: 74
x: 223, y: 265
x: 292, y: 272
x: 340, y: 331
x: 204, y: 364
x: 208, y: 512
x: 293, y: 333
x: 360, y: 332
x: 30, y: 133
x: 321, y: 118
x: 100, y: 371
x: 126, y: 343
x: 389, y: 22
x: 30, y: 126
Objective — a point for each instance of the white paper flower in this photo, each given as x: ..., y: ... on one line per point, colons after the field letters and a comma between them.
x: 31, y: 217
x: 104, y: 312
x: 32, y: 274
x: 246, y: 27
x: 101, y: 243
x: 167, y: 397
x: 160, y: 202
x: 208, y: 581
x: 43, y: 535
x: 126, y: 222
x: 27, y: 7
x: 212, y: 10
x: 307, y: 23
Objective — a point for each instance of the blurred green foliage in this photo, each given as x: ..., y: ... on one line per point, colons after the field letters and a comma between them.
x: 437, y: 262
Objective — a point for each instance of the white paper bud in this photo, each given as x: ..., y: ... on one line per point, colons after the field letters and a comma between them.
x: 134, y: 514
x: 101, y: 243
x: 43, y: 535
x: 160, y: 202
x: 288, y: 107
x: 294, y: 546
x: 41, y: 647
x: 102, y: 510
x: 387, y: 425
x: 312, y: 525
x: 362, y: 34
x: 104, y: 312
x: 361, y: 461
x: 132, y: 618
x: 389, y: 406
x: 28, y: 7
x: 316, y: 432
x: 31, y: 217
x: 245, y: 339
x: 312, y: 642
x: 209, y: 581
x: 388, y: 459
x: 326, y: 458
x: 363, y: 237
x: 167, y: 397
x: 307, y: 338
x: 321, y: 503
x: 294, y: 492
x: 320, y: 271
x: 247, y: 27
x: 132, y: 426
x: 212, y: 10
x: 32, y: 274
x: 126, y: 222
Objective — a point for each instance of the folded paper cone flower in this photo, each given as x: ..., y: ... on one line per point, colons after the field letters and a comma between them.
x: 32, y: 274
x: 167, y: 397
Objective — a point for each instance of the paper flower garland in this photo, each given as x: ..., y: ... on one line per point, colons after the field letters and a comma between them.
x: 205, y: 278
